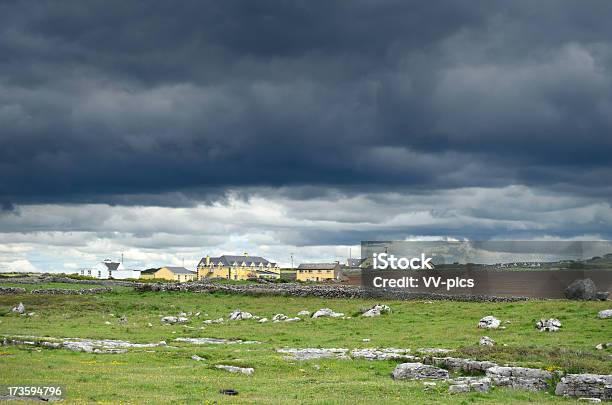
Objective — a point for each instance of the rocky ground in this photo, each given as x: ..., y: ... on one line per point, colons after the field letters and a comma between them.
x: 114, y: 345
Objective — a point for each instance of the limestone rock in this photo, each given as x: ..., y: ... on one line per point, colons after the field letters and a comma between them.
x: 602, y: 295
x: 326, y: 312
x: 174, y: 319
x: 382, y: 354
x: 263, y: 320
x: 234, y: 369
x: 531, y: 379
x: 489, y: 322
x: 458, y: 364
x: 19, y: 308
x: 279, y: 317
x: 377, y: 310
x: 314, y: 353
x: 582, y: 289
x: 467, y: 384
x: 304, y: 313
x: 211, y: 321
x: 606, y: 313
x: 105, y: 346
x: 433, y: 350
x: 586, y: 385
x: 239, y: 315
x: 458, y: 388
x: 486, y: 341
x: 169, y: 319
x: 480, y: 384
x: 548, y: 325
x: 418, y: 371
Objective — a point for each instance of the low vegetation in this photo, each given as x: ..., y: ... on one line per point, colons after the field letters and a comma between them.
x: 170, y: 375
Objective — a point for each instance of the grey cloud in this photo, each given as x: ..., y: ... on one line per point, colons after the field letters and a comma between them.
x: 275, y: 223
x: 134, y: 103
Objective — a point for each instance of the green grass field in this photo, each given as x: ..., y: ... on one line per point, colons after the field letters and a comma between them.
x: 169, y: 375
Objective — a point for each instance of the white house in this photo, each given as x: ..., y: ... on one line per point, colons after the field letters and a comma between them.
x: 109, y: 269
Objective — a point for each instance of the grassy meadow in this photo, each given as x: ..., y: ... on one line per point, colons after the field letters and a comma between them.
x: 169, y: 375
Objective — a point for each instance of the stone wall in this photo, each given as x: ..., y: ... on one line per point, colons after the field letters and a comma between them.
x: 12, y: 290
x: 55, y: 291
x: 308, y: 290
x: 279, y: 289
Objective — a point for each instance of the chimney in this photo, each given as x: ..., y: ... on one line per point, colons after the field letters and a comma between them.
x: 246, y: 254
x: 207, y: 260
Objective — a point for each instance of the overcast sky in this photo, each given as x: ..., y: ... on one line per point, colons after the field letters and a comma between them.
x: 167, y: 130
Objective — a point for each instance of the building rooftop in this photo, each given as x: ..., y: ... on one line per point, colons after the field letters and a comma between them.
x: 179, y: 270
x: 228, y: 260
x: 318, y: 266
x: 149, y: 271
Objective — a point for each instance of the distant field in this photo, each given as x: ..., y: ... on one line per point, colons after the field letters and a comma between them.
x: 169, y: 375
x: 65, y: 286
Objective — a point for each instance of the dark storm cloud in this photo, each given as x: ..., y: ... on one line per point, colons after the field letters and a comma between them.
x: 156, y: 102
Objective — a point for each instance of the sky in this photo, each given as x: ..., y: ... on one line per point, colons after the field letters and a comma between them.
x: 166, y: 131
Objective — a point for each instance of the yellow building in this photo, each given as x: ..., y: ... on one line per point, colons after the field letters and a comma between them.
x: 237, y: 267
x: 179, y: 274
x: 318, y: 272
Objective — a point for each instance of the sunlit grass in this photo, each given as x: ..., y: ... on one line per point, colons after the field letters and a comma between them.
x: 169, y: 375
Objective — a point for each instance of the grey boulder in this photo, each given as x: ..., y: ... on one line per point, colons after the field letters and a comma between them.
x: 377, y: 310
x: 548, y: 325
x: 486, y: 341
x: 467, y: 384
x: 326, y: 312
x: 585, y: 385
x: 582, y: 289
x: 489, y: 322
x: 532, y: 379
x: 418, y: 371
x: 239, y: 315
x: 19, y: 308
x: 606, y: 313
